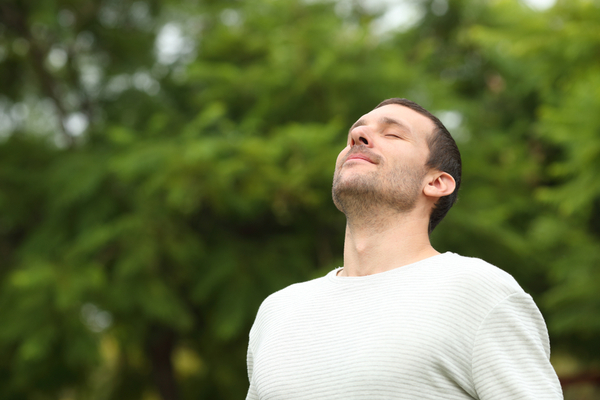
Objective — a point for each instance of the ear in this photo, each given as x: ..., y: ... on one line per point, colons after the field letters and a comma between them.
x: 439, y: 184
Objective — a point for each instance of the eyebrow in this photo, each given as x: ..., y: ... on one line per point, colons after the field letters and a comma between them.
x: 382, y: 121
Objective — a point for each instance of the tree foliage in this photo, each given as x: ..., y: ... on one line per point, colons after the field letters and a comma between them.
x: 164, y: 166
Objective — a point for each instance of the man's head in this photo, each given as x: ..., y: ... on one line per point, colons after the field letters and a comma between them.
x: 396, y: 153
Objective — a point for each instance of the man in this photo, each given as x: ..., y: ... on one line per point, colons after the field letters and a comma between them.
x: 400, y: 320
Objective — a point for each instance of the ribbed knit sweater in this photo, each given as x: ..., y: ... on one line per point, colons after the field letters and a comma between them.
x: 447, y: 327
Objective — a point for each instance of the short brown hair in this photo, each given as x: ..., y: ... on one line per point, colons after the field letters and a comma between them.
x: 443, y: 156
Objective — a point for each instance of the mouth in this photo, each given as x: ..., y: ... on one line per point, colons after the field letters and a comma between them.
x: 359, y: 157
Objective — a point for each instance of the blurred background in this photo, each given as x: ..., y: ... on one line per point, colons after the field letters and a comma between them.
x: 165, y: 165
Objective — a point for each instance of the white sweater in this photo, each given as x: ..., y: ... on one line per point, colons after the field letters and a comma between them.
x: 448, y: 327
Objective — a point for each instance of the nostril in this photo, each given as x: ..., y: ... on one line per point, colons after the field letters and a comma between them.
x: 362, y: 139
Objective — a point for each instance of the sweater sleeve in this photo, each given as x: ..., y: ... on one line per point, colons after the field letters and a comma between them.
x: 511, y: 353
x: 252, y: 395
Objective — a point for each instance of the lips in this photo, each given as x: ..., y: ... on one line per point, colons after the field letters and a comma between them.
x: 359, y: 156
x: 363, y: 153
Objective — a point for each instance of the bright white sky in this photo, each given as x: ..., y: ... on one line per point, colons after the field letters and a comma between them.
x: 402, y: 14
x: 171, y: 44
x: 540, y: 5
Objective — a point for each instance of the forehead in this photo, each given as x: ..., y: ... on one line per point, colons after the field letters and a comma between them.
x: 415, y: 123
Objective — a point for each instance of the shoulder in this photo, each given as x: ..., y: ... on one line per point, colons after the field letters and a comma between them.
x: 297, y: 289
x: 479, y: 272
x: 471, y: 281
x: 290, y: 296
x: 283, y: 305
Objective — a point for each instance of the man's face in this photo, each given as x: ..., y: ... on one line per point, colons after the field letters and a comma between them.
x: 384, y: 160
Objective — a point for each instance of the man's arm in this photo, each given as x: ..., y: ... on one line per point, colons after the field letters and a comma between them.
x: 511, y: 354
x: 252, y: 395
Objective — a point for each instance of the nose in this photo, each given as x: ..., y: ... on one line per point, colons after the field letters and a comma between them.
x: 361, y: 135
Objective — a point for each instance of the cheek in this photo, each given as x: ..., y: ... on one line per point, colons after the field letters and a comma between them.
x: 341, y: 156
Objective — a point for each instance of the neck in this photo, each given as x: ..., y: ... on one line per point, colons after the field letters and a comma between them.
x: 385, y: 242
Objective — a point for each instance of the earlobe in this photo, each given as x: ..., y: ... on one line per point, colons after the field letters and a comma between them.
x: 441, y: 184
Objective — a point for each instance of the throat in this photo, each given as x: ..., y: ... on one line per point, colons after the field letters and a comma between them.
x: 388, y: 244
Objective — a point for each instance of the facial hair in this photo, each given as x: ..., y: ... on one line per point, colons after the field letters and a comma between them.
x: 363, y: 194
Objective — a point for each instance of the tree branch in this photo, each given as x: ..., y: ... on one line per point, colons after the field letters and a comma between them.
x: 16, y: 19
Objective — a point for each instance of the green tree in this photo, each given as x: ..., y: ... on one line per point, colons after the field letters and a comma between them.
x: 166, y: 165
x: 178, y: 187
x: 557, y: 49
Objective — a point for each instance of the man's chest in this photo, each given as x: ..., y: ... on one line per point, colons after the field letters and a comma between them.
x: 391, y: 350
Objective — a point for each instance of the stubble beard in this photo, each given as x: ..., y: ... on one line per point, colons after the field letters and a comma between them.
x: 369, y: 195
